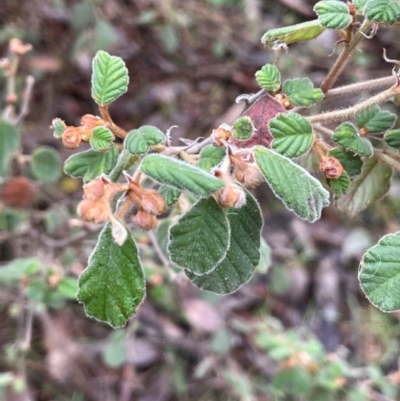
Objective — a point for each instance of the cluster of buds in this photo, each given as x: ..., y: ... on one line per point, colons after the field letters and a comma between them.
x: 221, y: 135
x: 97, y: 195
x: 72, y: 137
x: 284, y: 101
x: 149, y: 203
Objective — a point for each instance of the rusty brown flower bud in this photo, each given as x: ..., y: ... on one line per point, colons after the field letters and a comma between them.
x: 92, y: 121
x: 94, y: 190
x: 245, y: 170
x: 72, y: 138
x: 152, y: 202
x: 95, y: 211
x: 222, y: 134
x: 144, y: 220
x: 331, y: 167
x: 231, y: 195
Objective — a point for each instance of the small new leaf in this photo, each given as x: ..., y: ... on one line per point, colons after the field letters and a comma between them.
x: 135, y: 143
x: 243, y: 128
x: 269, y: 78
x: 170, y: 195
x: 113, y: 284
x: 101, y: 139
x: 368, y: 187
x: 58, y: 126
x: 294, y: 33
x: 379, y: 273
x: 292, y: 134
x: 91, y: 164
x: 172, y: 172
x: 346, y: 135
x: 9, y: 142
x: 384, y: 11
x: 292, y: 184
x: 340, y: 185
x: 243, y: 254
x: 109, y: 78
x: 46, y: 164
x: 152, y: 135
x: 200, y: 239
x: 301, y: 92
x: 392, y: 138
x: 351, y: 163
x: 375, y: 120
x: 333, y: 14
x: 210, y: 156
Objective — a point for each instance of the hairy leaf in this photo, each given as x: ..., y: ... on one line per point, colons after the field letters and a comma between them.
x: 109, y: 78
x: 292, y: 184
x: 170, y: 195
x: 351, y: 163
x: 135, y: 143
x: 101, y: 139
x: 90, y: 164
x: 152, y: 135
x: 385, y: 11
x: 211, y: 156
x: 301, y: 92
x: 292, y: 134
x: 243, y: 128
x: 371, y: 185
x: 392, y: 138
x: 269, y: 78
x: 113, y: 284
x: 200, y: 239
x: 243, y: 254
x: 333, y: 14
x: 9, y: 143
x: 375, y: 120
x: 346, y: 135
x: 341, y: 184
x: 58, y: 126
x: 46, y: 164
x: 169, y: 171
x: 293, y: 33
x: 379, y: 273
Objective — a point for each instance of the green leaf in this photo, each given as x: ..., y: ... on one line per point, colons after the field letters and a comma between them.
x: 171, y: 195
x: 243, y: 253
x: 301, y: 92
x: 296, y: 381
x: 113, y: 284
x: 269, y: 78
x: 167, y: 170
x: 152, y: 135
x: 91, y: 164
x: 68, y: 287
x: 292, y: 134
x: 200, y: 239
x: 346, y: 135
x: 294, y: 33
x: 375, y: 120
x: 15, y: 270
x: 58, y: 126
x: 109, y: 78
x: 9, y: 143
x: 101, y: 139
x: 360, y: 4
x: 115, y: 353
x: 292, y: 184
x: 351, y: 163
x: 211, y: 156
x: 341, y: 184
x: 392, y: 138
x: 379, y: 273
x: 333, y: 14
x: 385, y: 11
x: 135, y: 143
x: 46, y: 164
x: 243, y: 128
x: 371, y: 185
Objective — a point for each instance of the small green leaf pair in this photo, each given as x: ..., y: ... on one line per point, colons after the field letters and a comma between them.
x: 219, y: 249
x: 138, y: 141
x: 299, y: 91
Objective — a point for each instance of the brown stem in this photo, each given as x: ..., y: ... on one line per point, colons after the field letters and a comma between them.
x: 344, y: 57
x: 116, y: 130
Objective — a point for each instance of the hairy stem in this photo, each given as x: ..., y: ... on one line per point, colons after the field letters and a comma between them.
x: 388, y: 158
x: 339, y: 115
x: 116, y: 130
x: 344, y: 57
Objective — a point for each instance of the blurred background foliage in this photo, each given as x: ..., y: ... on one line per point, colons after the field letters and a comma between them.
x: 300, y: 330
